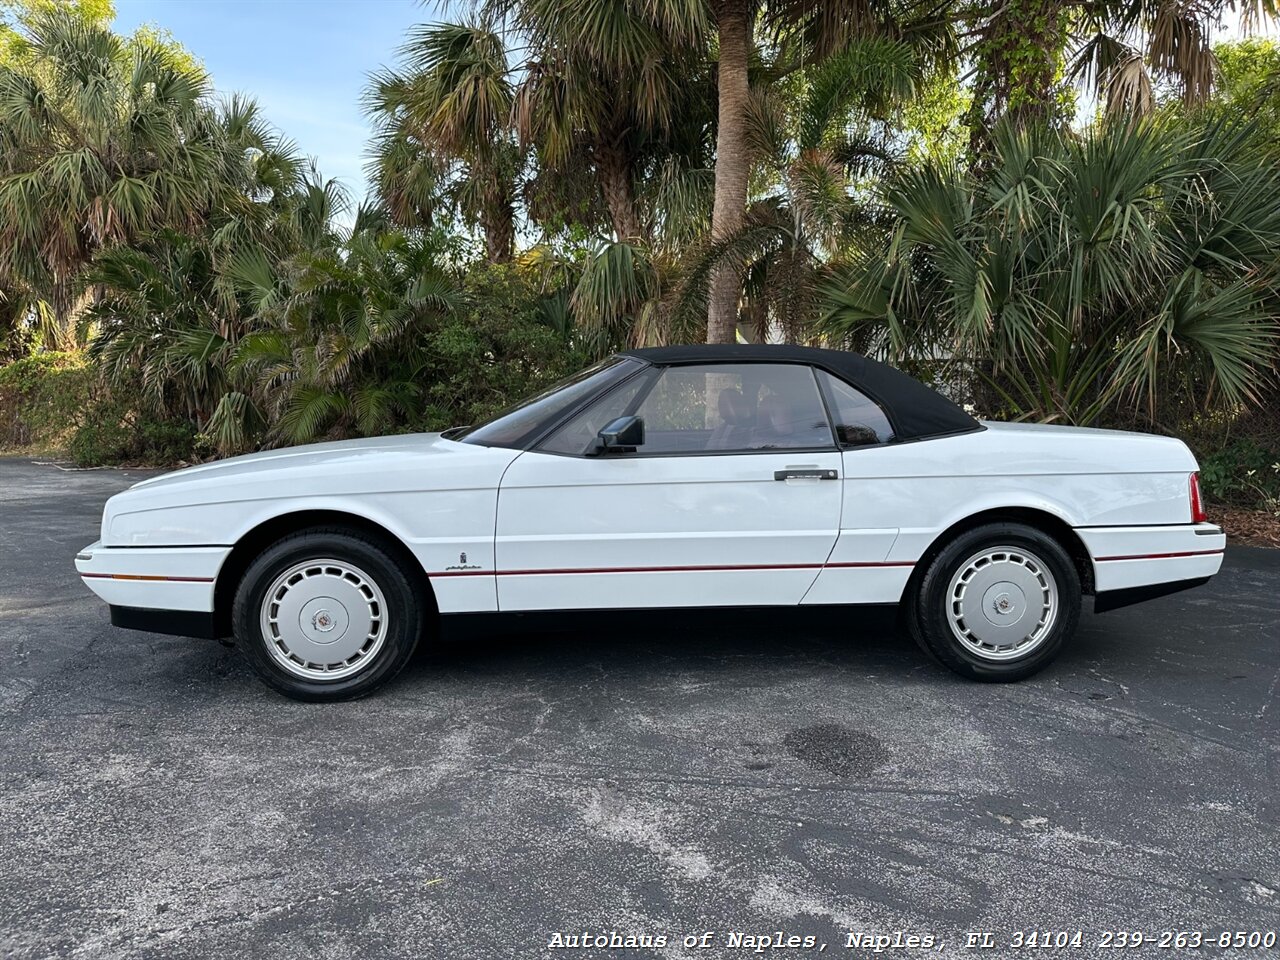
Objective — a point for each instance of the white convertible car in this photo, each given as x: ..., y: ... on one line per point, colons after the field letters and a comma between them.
x: 673, y: 477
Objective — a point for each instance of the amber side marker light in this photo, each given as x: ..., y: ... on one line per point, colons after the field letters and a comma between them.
x: 1197, y: 502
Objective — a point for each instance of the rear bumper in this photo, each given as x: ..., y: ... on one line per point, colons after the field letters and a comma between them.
x: 153, y: 578
x: 1127, y: 559
x: 1115, y: 599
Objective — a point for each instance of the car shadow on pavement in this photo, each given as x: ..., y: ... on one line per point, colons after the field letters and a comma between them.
x: 864, y: 639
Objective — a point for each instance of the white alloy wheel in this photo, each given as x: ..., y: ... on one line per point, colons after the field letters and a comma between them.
x: 1002, y: 603
x: 324, y: 619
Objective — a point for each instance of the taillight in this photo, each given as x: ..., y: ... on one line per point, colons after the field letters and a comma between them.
x: 1197, y: 502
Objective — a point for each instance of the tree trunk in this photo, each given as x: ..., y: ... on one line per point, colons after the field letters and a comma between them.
x: 733, y: 164
x: 494, y: 209
x: 499, y: 233
x: 613, y: 167
x: 1020, y: 62
x: 498, y: 222
x: 63, y: 305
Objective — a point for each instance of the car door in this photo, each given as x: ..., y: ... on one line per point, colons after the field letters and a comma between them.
x: 733, y: 498
x: 860, y: 569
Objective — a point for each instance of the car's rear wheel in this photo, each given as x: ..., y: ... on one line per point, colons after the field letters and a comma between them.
x: 996, y: 603
x: 328, y: 614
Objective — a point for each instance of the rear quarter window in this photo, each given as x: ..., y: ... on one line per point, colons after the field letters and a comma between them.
x: 859, y: 420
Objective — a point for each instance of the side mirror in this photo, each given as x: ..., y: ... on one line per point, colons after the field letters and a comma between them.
x: 621, y: 434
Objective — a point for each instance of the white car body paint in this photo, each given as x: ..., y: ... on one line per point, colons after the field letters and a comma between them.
x: 500, y: 529
x: 436, y: 496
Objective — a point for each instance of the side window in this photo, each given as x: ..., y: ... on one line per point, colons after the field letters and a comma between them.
x: 859, y: 419
x: 734, y: 407
x: 578, y: 435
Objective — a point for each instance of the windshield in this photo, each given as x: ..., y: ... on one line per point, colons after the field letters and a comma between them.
x: 517, y: 426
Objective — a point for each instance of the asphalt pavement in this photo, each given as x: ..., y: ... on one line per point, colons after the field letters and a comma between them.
x: 676, y: 777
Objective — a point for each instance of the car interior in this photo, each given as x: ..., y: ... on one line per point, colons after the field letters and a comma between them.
x: 755, y: 407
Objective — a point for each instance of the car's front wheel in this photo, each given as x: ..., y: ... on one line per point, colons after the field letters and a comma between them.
x: 996, y: 603
x: 328, y: 614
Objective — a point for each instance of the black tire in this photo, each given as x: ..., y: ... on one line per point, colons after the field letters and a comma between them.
x: 925, y: 607
x: 407, y: 611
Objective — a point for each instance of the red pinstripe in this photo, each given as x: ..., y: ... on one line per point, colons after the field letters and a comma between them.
x: 694, y: 569
x: 1164, y: 556
x: 139, y: 576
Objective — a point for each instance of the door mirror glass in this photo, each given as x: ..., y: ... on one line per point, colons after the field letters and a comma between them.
x: 622, y: 433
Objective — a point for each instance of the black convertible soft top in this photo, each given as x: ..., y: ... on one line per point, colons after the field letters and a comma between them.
x: 916, y: 411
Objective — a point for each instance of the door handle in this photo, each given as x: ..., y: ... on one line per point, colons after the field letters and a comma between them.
x: 808, y: 473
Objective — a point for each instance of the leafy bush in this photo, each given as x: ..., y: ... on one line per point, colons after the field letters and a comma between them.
x: 42, y: 398
x: 1242, y: 473
x: 387, y: 336
x: 496, y: 351
x: 111, y: 434
x: 57, y: 403
x: 16, y: 340
x: 1082, y: 279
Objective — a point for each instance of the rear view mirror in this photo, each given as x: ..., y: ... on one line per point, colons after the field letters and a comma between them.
x: 622, y: 433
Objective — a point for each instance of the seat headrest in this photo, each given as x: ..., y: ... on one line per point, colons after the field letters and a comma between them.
x: 734, y: 408
x: 775, y: 414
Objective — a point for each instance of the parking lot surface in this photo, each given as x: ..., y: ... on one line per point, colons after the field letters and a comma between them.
x: 813, y: 776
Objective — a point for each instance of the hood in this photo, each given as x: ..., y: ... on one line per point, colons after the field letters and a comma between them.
x: 338, y: 456
x: 408, y: 463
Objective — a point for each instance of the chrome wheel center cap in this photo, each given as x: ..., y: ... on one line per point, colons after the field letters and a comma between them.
x: 1004, y: 603
x: 324, y: 620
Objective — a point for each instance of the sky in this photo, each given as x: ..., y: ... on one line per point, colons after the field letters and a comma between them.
x: 305, y: 61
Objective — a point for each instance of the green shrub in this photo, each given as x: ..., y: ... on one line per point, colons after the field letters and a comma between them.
x: 112, y: 433
x: 1243, y: 473
x: 56, y: 403
x: 495, y: 353
x: 15, y: 343
x: 42, y: 398
x: 100, y: 441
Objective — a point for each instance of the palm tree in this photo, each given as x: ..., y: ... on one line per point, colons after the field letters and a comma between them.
x: 614, y: 91
x: 734, y: 23
x: 1132, y: 269
x: 1026, y: 54
x: 812, y: 156
x: 802, y: 33
x: 165, y: 322
x: 617, y: 75
x: 459, y: 123
x: 329, y: 318
x: 268, y: 177
x: 444, y: 128
x: 611, y: 90
x: 16, y: 313
x: 174, y: 307
x: 102, y: 139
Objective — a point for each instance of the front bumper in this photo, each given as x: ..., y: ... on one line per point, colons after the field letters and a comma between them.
x: 153, y: 578
x: 178, y: 623
x: 1131, y: 558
